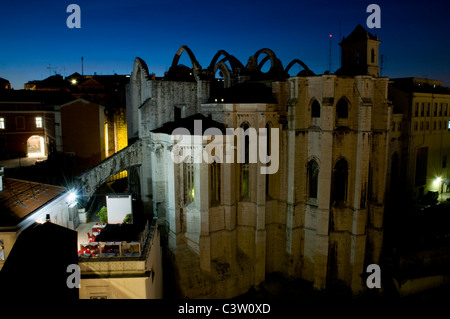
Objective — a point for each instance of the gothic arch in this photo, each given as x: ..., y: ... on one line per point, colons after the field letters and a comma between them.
x: 340, y: 181
x: 343, y: 108
x: 306, y: 70
x: 138, y: 76
x: 276, y: 68
x: 195, y: 65
x: 139, y: 68
x: 236, y: 65
x: 225, y: 71
x: 315, y: 108
x: 313, y: 169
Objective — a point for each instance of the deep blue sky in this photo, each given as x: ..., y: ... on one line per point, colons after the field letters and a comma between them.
x: 415, y: 35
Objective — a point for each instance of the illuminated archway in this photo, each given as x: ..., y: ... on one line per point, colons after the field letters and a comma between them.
x: 36, y: 146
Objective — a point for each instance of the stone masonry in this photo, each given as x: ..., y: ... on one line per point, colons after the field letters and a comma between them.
x: 319, y: 217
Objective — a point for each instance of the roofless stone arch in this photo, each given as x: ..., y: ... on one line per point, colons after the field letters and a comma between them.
x: 236, y: 65
x: 225, y: 71
x: 139, y: 66
x: 276, y: 68
x: 305, y: 71
x: 196, y: 68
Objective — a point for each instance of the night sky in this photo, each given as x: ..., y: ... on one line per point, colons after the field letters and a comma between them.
x: 36, y: 42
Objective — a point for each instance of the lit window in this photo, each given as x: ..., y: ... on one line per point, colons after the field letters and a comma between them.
x: 215, y: 183
x: 38, y: 122
x: 245, y: 167
x: 2, y: 123
x: 189, y: 192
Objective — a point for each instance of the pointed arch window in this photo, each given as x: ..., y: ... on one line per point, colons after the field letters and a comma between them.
x: 245, y: 167
x: 313, y: 178
x: 188, y: 176
x: 342, y: 108
x: 315, y: 109
x: 340, y: 181
x: 215, y: 178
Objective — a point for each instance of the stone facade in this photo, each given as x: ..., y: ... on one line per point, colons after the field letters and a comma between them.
x: 318, y: 217
x: 420, y: 144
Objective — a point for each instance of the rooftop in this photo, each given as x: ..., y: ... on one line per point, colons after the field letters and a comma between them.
x: 360, y: 33
x: 419, y: 85
x: 189, y: 124
x: 21, y: 198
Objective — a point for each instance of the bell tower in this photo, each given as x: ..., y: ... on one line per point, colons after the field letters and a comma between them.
x: 359, y: 53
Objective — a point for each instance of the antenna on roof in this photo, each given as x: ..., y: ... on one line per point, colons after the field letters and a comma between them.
x: 50, y: 68
x: 329, y: 55
x: 82, y: 67
x: 383, y: 61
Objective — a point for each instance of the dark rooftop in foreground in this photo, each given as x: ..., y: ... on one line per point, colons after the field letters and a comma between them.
x: 21, y: 198
x: 419, y: 85
x: 189, y: 124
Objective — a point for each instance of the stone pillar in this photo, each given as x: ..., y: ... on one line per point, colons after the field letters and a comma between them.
x: 228, y: 200
x: 146, y: 178
x: 202, y: 189
x: 323, y: 201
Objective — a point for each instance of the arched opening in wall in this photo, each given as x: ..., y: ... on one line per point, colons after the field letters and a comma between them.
x: 188, y: 182
x: 339, y: 183
x: 315, y: 109
x: 265, y: 64
x: 313, y: 179
x: 245, y: 166
x: 217, y: 87
x: 215, y: 180
x: 36, y: 146
x: 372, y: 56
x: 342, y: 108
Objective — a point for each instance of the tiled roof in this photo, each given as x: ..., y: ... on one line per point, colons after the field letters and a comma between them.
x: 20, y: 198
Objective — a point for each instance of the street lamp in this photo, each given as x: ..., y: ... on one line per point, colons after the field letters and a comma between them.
x: 72, y: 198
x: 438, y: 182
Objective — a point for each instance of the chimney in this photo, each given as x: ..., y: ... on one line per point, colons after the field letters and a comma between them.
x: 47, y: 218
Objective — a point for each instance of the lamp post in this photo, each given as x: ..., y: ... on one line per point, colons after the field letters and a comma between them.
x: 439, y: 181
